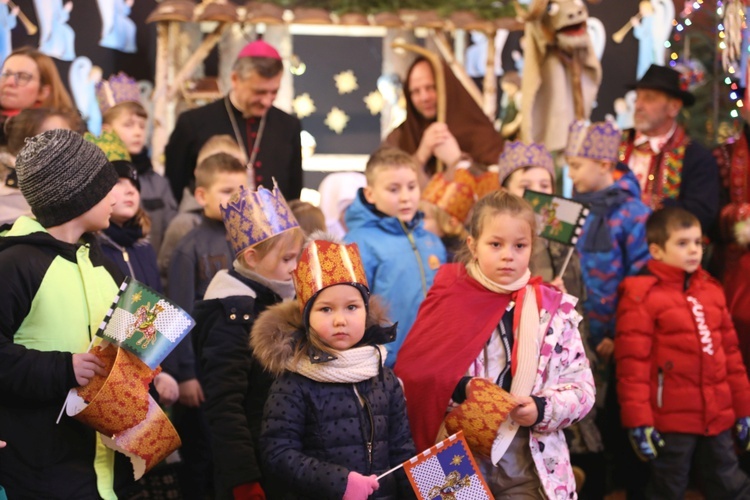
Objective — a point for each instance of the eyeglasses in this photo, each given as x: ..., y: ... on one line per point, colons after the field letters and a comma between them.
x: 21, y: 77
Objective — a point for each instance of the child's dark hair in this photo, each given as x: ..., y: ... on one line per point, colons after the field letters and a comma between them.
x: 206, y: 171
x: 133, y: 107
x: 496, y: 203
x: 661, y: 223
x: 309, y: 216
x: 387, y: 157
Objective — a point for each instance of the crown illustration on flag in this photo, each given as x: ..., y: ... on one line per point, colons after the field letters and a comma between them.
x: 455, y: 197
x: 518, y: 154
x: 111, y: 144
x: 595, y: 141
x: 118, y: 89
x: 254, y: 216
x: 327, y: 263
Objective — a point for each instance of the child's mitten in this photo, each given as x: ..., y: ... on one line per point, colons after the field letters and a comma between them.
x: 359, y: 487
x: 742, y: 428
x: 646, y: 442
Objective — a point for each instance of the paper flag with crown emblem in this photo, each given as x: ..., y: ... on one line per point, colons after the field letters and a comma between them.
x: 558, y: 219
x: 447, y: 471
x: 145, y: 323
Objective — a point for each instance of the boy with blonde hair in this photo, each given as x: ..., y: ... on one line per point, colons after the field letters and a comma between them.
x: 400, y: 256
x: 681, y: 381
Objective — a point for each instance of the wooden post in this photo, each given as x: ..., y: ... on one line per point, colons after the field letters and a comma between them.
x: 195, y: 59
x: 489, y: 89
x: 159, y: 136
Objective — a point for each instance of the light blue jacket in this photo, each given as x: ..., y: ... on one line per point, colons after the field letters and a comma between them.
x: 400, y: 262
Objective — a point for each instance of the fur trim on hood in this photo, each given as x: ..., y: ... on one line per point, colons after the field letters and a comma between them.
x: 277, y: 329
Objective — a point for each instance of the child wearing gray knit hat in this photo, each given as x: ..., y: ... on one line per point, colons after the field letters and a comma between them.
x: 62, y: 176
x: 55, y: 291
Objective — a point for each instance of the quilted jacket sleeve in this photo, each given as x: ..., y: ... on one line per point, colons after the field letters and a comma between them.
x: 633, y: 346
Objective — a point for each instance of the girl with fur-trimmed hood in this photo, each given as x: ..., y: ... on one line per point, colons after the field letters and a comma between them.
x: 335, y: 417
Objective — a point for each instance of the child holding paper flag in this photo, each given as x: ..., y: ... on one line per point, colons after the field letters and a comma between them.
x: 335, y: 416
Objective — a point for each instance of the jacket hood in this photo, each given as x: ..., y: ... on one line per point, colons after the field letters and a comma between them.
x: 362, y: 213
x: 278, y: 329
x: 628, y: 182
x: 28, y: 231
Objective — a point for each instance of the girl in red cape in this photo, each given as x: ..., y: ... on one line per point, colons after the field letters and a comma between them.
x: 488, y: 318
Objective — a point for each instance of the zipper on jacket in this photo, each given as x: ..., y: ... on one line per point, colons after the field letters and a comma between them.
x: 369, y: 443
x: 414, y: 248
x: 660, y: 388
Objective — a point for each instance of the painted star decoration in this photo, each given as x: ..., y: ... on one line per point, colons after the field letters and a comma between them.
x: 457, y: 459
x: 136, y: 297
x: 374, y: 102
x: 336, y: 120
x: 346, y: 82
x: 303, y: 105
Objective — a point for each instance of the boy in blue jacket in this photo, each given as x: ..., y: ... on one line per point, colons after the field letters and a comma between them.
x: 400, y: 256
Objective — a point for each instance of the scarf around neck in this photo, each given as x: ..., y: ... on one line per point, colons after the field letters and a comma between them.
x: 598, y: 237
x: 351, y: 366
x: 126, y: 235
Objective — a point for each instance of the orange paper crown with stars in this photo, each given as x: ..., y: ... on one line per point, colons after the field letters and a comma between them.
x: 596, y: 141
x: 456, y: 197
x: 326, y: 263
x: 254, y: 216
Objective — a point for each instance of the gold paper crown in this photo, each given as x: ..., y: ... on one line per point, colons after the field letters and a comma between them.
x: 326, y: 263
x: 111, y: 144
x: 486, y: 183
x: 596, y: 141
x: 518, y: 154
x: 251, y: 217
x: 456, y: 197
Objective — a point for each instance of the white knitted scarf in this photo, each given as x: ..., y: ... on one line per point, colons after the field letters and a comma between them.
x: 527, y: 352
x: 350, y: 366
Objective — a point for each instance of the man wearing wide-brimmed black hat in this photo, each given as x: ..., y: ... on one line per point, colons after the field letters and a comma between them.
x: 672, y: 168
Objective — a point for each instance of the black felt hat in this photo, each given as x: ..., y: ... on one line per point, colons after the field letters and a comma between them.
x: 666, y: 80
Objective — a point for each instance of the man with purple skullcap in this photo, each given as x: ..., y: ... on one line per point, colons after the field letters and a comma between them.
x: 269, y: 137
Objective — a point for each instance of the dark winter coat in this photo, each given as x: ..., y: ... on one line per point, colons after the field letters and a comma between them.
x: 279, y: 154
x: 134, y: 256
x: 315, y: 433
x: 679, y: 367
x: 233, y: 381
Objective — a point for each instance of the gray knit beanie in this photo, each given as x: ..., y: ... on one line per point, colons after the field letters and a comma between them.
x: 62, y: 176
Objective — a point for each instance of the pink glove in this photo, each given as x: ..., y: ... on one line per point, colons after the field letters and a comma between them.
x: 249, y: 491
x: 359, y: 487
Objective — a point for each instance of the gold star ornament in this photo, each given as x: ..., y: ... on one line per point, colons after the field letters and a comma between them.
x: 346, y: 82
x: 336, y: 120
x: 136, y: 297
x: 303, y: 105
x: 374, y: 102
x: 457, y: 459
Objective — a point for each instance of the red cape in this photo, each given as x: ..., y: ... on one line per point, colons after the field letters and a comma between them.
x: 454, y: 322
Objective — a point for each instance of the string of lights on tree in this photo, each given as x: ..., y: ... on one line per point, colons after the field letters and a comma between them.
x: 694, y: 75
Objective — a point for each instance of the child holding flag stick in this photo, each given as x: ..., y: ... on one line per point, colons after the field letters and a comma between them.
x: 335, y: 416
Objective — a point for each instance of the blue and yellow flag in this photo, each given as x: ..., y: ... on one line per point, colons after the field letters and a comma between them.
x: 447, y: 471
x: 145, y: 323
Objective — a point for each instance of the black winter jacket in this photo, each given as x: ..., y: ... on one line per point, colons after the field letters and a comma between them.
x: 233, y: 381
x: 315, y: 433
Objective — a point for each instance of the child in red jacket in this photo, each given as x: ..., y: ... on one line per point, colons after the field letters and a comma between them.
x: 680, y: 377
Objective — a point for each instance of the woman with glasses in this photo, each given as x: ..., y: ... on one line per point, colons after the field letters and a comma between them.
x: 28, y: 81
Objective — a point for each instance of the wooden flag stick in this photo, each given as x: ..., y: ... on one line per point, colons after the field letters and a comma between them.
x: 388, y: 472
x: 567, y: 261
